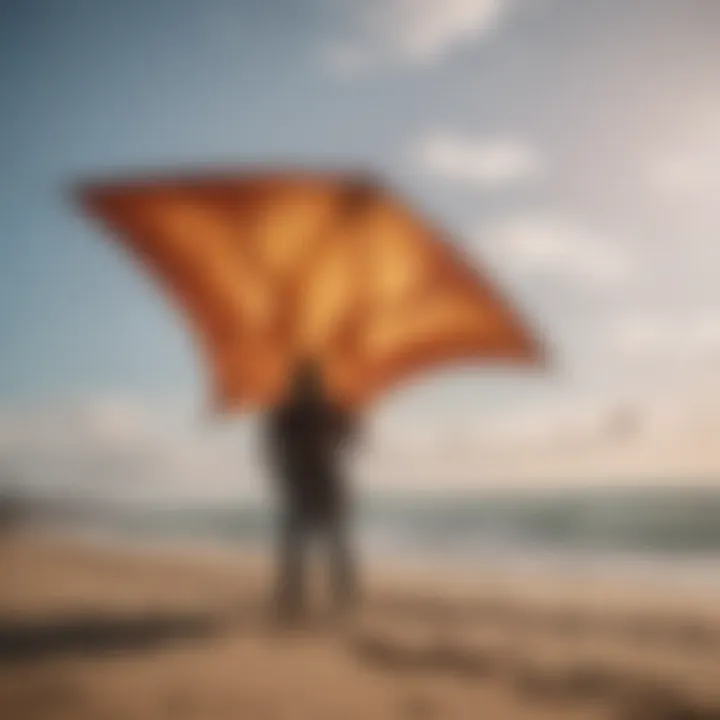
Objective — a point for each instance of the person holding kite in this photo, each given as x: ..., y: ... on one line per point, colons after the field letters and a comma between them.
x: 307, y: 435
x: 312, y: 295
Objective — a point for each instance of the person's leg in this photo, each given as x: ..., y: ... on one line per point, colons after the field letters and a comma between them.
x: 290, y: 588
x: 342, y: 566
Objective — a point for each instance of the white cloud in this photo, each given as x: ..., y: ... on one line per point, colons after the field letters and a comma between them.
x: 556, y: 247
x: 662, y: 433
x: 117, y: 449
x: 478, y: 161
x: 682, y: 170
x: 687, y: 164
x: 414, y: 31
x: 685, y: 174
x: 659, y: 334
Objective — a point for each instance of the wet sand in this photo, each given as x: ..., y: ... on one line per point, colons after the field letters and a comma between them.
x: 107, y: 634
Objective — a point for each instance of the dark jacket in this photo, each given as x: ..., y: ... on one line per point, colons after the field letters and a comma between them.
x: 306, y: 441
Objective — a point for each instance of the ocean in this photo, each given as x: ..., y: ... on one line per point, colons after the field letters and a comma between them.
x: 657, y: 531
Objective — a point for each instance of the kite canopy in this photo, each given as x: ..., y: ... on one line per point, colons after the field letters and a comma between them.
x: 271, y: 268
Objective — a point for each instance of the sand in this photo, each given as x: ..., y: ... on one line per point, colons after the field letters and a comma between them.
x: 91, y: 632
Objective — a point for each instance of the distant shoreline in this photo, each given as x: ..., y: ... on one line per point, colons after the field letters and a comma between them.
x: 616, y: 576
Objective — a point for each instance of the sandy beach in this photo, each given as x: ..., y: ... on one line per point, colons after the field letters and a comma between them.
x: 91, y: 632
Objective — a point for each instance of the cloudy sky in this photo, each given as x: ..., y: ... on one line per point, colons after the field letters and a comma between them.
x: 574, y: 147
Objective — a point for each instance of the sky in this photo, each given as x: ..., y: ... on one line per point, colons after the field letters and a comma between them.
x: 572, y: 148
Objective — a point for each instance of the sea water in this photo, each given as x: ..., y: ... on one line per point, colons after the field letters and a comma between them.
x: 657, y: 531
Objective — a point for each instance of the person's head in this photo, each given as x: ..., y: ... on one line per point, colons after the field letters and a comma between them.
x: 306, y: 384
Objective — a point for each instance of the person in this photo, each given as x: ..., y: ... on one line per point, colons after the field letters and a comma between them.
x: 308, y: 435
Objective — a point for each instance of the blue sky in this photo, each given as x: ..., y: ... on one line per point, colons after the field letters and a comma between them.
x: 574, y: 147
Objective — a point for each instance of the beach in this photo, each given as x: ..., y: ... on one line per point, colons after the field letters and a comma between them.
x: 102, y: 632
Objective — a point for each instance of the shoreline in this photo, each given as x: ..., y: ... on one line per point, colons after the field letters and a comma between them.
x: 618, y: 578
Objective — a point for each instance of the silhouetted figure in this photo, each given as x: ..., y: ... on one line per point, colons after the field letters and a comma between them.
x: 307, y: 436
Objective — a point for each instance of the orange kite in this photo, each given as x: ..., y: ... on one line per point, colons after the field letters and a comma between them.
x: 272, y: 267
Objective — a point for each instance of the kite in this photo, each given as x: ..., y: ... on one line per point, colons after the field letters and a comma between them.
x: 273, y: 267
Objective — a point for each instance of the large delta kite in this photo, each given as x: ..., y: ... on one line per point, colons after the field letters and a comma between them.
x: 272, y: 267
